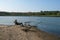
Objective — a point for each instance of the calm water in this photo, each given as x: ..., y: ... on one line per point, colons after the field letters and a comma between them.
x: 48, y: 24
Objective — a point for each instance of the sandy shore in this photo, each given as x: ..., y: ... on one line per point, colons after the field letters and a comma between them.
x: 17, y: 32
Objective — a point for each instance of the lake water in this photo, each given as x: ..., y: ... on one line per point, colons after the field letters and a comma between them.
x: 47, y: 24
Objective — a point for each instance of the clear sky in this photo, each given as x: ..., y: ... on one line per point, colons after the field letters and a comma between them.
x: 29, y: 5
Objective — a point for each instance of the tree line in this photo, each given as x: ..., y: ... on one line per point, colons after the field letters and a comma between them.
x: 41, y: 13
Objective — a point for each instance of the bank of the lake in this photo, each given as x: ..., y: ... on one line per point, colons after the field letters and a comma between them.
x: 16, y: 32
x: 41, y: 13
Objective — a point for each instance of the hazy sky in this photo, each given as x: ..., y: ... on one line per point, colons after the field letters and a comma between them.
x: 29, y: 5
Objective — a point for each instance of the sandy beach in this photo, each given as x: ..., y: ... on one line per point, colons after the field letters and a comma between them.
x: 16, y: 32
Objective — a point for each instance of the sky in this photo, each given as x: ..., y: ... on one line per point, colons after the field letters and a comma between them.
x: 29, y: 5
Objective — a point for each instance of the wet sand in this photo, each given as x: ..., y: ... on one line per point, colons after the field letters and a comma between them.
x: 16, y: 32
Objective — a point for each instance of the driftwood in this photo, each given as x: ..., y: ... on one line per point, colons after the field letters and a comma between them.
x: 28, y: 27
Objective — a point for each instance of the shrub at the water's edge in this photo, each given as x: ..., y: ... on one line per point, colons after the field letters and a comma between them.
x: 41, y: 13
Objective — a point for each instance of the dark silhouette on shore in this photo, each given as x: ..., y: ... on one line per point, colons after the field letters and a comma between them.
x: 17, y: 23
x: 26, y: 25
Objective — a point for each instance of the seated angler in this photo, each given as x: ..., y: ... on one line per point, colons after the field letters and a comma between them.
x: 16, y: 23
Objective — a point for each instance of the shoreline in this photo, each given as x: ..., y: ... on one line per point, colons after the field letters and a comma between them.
x: 16, y: 32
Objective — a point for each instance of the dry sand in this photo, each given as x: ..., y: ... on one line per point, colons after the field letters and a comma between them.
x: 17, y: 32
